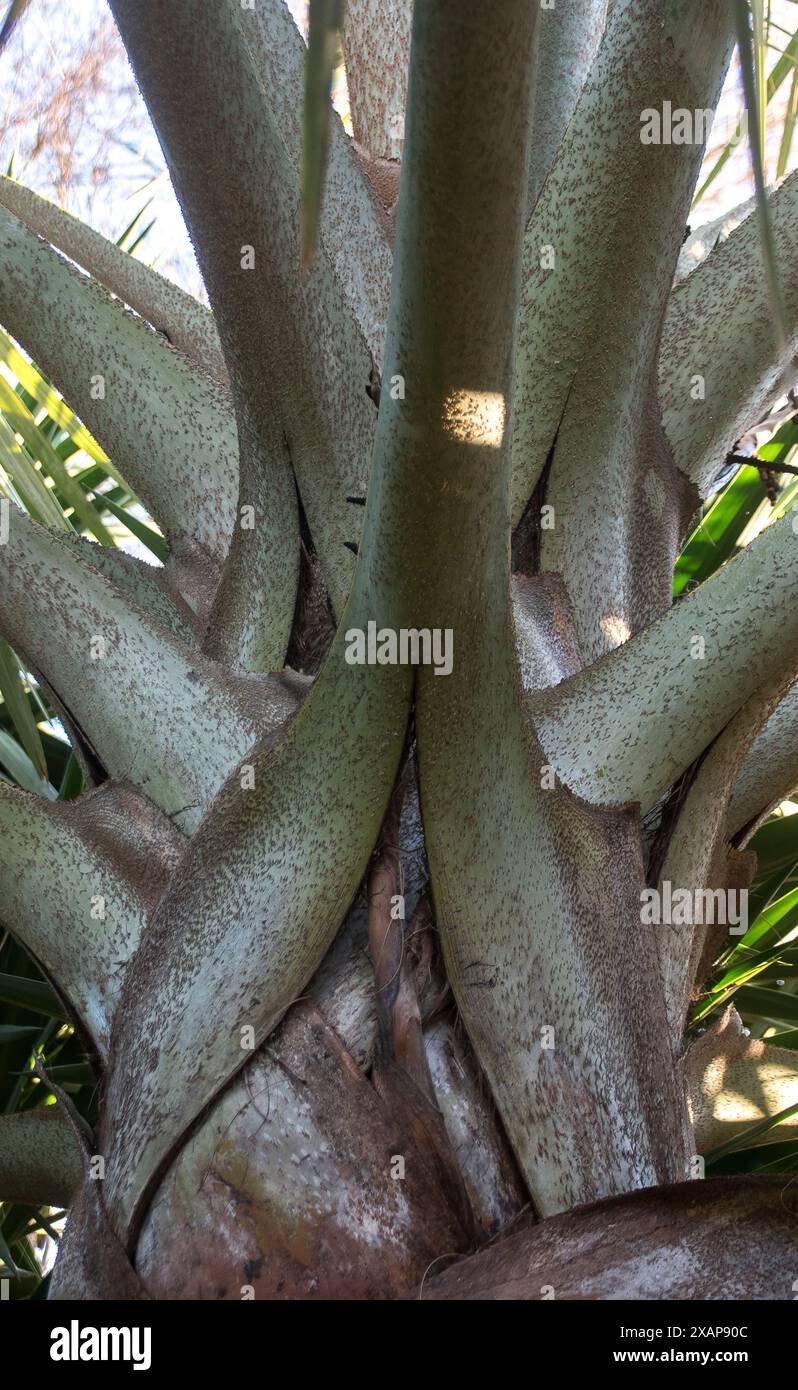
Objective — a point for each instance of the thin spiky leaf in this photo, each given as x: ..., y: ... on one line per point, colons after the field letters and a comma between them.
x: 15, y: 699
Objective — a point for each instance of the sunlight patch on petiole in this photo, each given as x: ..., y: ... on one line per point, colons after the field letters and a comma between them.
x: 475, y: 417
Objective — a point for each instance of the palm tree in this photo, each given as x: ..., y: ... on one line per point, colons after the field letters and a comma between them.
x: 386, y: 766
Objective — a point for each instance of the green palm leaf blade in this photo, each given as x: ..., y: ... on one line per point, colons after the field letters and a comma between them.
x: 12, y: 678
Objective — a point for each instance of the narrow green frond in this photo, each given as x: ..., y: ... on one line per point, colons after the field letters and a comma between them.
x: 34, y: 995
x: 39, y: 446
x: 21, y: 767
x: 15, y: 699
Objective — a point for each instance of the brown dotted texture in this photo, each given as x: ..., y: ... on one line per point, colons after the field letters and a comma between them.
x: 343, y: 988
x: 565, y: 45
x: 769, y: 773
x: 522, y: 945
x: 78, y: 880
x: 698, y: 244
x: 720, y: 326
x: 696, y: 856
x: 188, y: 325
x: 517, y: 871
x: 92, y: 1264
x: 289, y: 854
x: 297, y: 358
x: 147, y: 586
x: 249, y: 915
x: 544, y: 631
x: 614, y: 212
x: 377, y: 50
x: 385, y: 177
x: 169, y: 430
x: 226, y: 1170
x: 291, y: 1167
x: 617, y: 731
x: 40, y: 1158
x: 352, y: 232
x: 492, y: 1179
x: 156, y: 712
x: 725, y: 1239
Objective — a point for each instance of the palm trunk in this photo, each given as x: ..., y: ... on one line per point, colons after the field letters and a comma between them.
x: 378, y: 988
